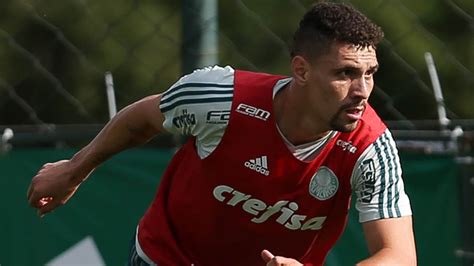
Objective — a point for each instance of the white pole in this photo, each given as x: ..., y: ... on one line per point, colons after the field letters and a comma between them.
x: 109, y: 83
x: 443, y: 120
x: 5, y: 137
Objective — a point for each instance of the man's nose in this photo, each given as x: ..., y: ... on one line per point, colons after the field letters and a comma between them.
x: 360, y: 88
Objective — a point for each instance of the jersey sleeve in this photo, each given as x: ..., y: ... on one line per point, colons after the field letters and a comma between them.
x: 199, y: 105
x: 377, y: 182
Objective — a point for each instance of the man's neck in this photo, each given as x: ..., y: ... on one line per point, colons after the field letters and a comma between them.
x: 293, y: 117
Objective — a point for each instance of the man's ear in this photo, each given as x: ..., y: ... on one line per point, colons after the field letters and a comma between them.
x: 300, y: 68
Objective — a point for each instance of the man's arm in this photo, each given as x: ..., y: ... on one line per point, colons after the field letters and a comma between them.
x: 134, y: 125
x: 56, y: 182
x: 390, y: 242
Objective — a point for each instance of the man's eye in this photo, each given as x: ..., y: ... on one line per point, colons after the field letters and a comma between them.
x: 347, y: 73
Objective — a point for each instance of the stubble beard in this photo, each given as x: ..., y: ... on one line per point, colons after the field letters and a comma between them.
x: 338, y: 124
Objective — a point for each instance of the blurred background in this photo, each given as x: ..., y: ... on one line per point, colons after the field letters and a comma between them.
x: 55, y: 57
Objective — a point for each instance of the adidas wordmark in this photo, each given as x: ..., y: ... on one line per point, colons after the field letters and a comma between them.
x: 259, y: 165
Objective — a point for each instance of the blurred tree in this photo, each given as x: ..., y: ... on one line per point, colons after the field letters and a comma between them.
x: 54, y: 53
x: 57, y: 54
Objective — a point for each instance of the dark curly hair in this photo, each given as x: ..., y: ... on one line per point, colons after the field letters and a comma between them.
x: 327, y: 22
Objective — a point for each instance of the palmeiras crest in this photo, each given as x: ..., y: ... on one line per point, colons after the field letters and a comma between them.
x: 323, y: 184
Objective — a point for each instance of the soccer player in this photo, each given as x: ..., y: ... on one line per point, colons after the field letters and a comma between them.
x: 267, y: 174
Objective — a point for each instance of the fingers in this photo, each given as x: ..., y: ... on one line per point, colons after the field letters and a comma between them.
x: 29, y: 192
x: 49, y: 204
x: 44, y: 204
x: 45, y: 193
x: 271, y: 260
x: 266, y: 255
x: 47, y: 165
x: 33, y: 198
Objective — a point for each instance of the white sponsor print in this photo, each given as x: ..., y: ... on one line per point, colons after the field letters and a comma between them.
x: 253, y: 111
x: 283, y: 210
x: 346, y: 146
x: 218, y: 117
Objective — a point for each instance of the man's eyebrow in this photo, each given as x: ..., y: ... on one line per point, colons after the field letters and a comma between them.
x: 356, y: 68
x: 347, y: 67
x: 373, y: 69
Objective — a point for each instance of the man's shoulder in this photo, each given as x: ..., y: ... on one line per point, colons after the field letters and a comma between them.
x: 211, y: 74
x: 204, y: 86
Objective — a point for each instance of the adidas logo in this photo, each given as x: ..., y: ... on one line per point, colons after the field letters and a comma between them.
x: 259, y: 165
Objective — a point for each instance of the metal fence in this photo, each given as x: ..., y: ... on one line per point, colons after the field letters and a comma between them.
x: 55, y: 54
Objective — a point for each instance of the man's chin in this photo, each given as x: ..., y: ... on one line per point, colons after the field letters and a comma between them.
x: 346, y: 127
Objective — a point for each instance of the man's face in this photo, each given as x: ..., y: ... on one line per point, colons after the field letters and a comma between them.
x: 339, y: 85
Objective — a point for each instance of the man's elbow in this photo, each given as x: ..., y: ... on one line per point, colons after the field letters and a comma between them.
x: 404, y: 257
x: 391, y: 256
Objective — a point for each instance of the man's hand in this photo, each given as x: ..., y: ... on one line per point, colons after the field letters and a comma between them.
x: 271, y: 260
x: 53, y: 186
x: 56, y: 182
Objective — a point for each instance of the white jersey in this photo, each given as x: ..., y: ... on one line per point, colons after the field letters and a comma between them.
x: 199, y: 104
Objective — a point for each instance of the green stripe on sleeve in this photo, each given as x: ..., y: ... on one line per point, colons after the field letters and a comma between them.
x: 196, y: 101
x: 390, y: 173
x: 195, y: 85
x: 397, y: 174
x: 382, y: 179
x: 193, y: 93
